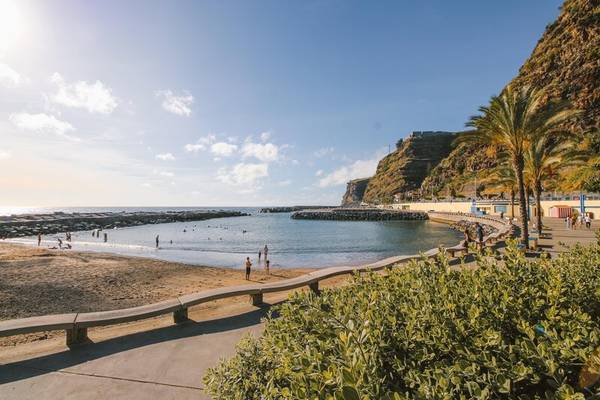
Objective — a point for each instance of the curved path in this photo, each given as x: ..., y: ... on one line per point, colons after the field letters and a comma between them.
x: 167, y: 361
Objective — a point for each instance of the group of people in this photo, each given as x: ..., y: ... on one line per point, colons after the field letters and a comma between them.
x: 264, y: 251
x: 478, y: 233
x: 577, y: 221
x: 61, y: 244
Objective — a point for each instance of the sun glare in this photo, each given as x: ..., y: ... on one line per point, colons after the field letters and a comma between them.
x: 12, y: 24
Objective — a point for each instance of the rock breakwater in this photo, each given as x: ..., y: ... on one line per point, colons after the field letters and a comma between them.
x: 359, y: 214
x: 32, y: 224
x: 289, y: 209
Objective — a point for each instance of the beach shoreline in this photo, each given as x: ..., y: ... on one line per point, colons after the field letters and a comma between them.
x: 39, y: 281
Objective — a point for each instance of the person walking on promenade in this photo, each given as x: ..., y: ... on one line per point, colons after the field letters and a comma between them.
x: 574, y: 222
x: 39, y: 239
x: 588, y: 221
x: 248, y: 268
x: 479, y: 231
x: 568, y: 223
x: 157, y: 241
x: 266, y: 251
x: 467, y: 237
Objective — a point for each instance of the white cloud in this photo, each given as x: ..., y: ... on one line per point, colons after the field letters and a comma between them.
x: 286, y: 182
x: 265, y: 136
x: 4, y: 155
x: 319, y: 173
x: 94, y: 97
x: 42, y: 124
x: 243, y: 173
x: 223, y: 149
x: 201, y: 144
x: 179, y: 105
x: 358, y: 169
x: 266, y: 152
x: 194, y: 148
x: 9, y: 77
x: 322, y: 152
x: 166, y: 174
x: 165, y: 157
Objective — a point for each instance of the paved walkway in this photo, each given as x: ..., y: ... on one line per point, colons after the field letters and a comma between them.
x: 166, y: 362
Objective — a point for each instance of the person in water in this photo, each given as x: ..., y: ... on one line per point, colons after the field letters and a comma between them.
x: 266, y: 251
x: 259, y: 255
x: 248, y: 268
x: 105, y: 237
x: 39, y: 239
x: 157, y: 241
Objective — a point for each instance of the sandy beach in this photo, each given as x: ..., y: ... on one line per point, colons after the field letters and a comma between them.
x: 38, y: 281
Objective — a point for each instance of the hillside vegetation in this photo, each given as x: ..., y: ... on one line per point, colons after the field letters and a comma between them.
x: 520, y: 329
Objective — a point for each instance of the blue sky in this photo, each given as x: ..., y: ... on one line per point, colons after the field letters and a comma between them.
x: 188, y: 103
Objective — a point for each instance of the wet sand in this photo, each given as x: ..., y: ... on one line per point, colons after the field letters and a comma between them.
x: 38, y: 281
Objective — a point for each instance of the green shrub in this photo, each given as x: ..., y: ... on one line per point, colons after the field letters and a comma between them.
x: 519, y: 329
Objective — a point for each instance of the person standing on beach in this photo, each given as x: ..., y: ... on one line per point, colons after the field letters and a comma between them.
x: 259, y: 255
x: 39, y: 239
x: 248, y: 268
x: 266, y: 251
x: 267, y: 265
x: 157, y: 241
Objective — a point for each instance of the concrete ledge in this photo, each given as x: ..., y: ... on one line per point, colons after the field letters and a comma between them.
x: 37, y: 324
x: 193, y: 299
x: 85, y: 320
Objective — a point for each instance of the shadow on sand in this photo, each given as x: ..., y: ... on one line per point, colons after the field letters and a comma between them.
x: 32, y: 367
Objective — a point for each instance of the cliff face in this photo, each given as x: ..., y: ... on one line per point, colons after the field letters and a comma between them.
x: 566, y: 65
x: 355, y: 191
x: 402, y: 172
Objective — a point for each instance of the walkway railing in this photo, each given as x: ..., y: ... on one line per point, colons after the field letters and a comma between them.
x: 77, y: 324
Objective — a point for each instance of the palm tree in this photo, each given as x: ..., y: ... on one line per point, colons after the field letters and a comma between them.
x: 545, y: 156
x: 510, y: 122
x: 503, y: 178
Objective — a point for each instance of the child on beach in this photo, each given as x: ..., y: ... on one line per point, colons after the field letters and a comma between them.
x: 248, y: 268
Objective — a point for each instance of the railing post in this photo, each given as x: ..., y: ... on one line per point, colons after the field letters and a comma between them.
x: 256, y: 299
x: 76, y: 336
x: 314, y: 287
x: 180, y: 316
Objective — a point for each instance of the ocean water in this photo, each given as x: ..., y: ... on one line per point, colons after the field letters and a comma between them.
x: 226, y: 242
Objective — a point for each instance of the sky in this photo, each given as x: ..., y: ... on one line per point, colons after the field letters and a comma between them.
x: 240, y: 102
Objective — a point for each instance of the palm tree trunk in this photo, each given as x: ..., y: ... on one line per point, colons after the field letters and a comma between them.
x: 512, y: 203
x: 537, y: 191
x: 527, y: 196
x: 518, y: 167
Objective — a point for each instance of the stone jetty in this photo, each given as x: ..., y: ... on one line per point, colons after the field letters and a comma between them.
x: 360, y: 214
x: 59, y: 222
x: 290, y: 209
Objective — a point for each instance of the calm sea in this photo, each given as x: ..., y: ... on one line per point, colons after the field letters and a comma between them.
x: 226, y: 242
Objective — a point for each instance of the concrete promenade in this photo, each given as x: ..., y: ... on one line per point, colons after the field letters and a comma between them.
x: 161, y: 360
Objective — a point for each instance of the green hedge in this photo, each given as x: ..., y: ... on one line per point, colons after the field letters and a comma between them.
x: 518, y: 329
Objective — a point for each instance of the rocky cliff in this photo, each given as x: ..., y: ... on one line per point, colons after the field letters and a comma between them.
x: 566, y: 64
x: 401, y: 173
x: 355, y: 191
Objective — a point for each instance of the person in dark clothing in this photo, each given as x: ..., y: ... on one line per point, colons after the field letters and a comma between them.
x: 479, y: 231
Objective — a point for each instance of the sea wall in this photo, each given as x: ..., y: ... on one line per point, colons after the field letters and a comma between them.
x: 359, y: 214
x: 289, y: 209
x: 33, y: 224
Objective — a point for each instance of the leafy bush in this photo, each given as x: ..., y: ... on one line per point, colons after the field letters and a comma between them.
x: 514, y: 329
